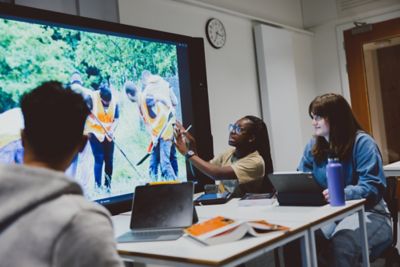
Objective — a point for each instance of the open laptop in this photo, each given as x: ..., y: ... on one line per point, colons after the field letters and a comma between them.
x: 160, y: 212
x: 297, y: 189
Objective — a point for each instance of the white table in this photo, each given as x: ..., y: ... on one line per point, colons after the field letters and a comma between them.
x: 392, y: 169
x: 303, y: 221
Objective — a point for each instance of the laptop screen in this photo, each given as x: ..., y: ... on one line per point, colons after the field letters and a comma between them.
x: 299, y: 182
x: 162, y: 206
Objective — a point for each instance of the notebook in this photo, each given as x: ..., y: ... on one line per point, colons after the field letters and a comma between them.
x: 297, y: 189
x: 160, y: 212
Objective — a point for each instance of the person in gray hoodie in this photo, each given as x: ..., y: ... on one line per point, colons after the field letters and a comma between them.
x: 44, y: 218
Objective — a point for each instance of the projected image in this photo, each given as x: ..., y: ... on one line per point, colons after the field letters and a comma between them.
x: 130, y: 85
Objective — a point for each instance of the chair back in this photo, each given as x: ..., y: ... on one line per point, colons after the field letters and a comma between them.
x: 391, y: 199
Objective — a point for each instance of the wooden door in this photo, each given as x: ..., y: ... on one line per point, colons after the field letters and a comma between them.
x: 355, y: 64
x: 380, y: 116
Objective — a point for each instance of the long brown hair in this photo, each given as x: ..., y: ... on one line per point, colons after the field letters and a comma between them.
x: 343, y: 126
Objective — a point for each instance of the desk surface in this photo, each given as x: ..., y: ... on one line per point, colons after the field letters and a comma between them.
x: 188, y: 251
x: 392, y: 169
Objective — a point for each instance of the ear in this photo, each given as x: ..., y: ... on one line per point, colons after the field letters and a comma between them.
x: 83, y: 142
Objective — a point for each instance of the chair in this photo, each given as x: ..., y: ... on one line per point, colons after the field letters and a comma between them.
x: 389, y: 251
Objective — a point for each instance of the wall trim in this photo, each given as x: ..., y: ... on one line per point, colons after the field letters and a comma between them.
x: 243, y: 15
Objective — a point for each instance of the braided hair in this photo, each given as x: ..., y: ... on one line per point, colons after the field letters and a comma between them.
x: 262, y: 145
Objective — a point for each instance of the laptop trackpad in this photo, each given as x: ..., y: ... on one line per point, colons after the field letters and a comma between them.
x: 149, y: 236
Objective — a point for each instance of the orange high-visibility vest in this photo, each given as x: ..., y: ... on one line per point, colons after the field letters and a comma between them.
x: 106, y: 118
x: 156, y: 124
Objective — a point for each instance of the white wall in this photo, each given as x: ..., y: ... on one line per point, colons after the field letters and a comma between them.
x: 287, y: 87
x: 286, y: 12
x: 303, y: 60
x: 317, y: 12
x: 231, y: 71
x: 98, y: 9
x: 328, y: 53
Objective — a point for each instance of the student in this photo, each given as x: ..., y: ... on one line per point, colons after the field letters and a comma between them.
x: 248, y: 163
x: 337, y: 131
x: 44, y: 219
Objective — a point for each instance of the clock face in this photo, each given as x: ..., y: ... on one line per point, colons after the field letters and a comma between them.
x: 215, y: 32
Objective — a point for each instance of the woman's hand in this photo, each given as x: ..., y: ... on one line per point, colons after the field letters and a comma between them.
x: 180, y: 143
x: 184, y: 141
x: 326, y: 194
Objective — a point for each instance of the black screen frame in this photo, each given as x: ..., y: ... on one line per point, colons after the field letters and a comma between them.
x: 195, y: 104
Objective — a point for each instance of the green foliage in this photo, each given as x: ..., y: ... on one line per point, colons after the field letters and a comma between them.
x: 31, y: 54
x: 6, y: 101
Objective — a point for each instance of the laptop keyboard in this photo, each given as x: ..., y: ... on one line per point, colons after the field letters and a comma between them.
x: 154, y: 234
x: 151, y: 235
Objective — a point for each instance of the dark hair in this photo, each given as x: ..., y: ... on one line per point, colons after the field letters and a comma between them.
x: 343, y: 126
x: 130, y: 88
x: 260, y: 131
x: 54, y: 119
x: 105, y: 91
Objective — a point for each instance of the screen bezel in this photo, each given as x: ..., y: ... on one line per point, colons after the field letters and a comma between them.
x: 195, y: 104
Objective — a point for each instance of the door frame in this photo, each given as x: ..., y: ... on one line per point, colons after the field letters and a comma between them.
x: 344, y: 78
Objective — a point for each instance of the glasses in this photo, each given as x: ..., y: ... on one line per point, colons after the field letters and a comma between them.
x: 235, y: 128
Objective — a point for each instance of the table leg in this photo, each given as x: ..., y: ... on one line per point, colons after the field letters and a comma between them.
x: 313, y: 246
x: 363, y: 237
x: 305, y: 250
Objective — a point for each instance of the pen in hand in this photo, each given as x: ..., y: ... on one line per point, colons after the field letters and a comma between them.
x: 187, y: 129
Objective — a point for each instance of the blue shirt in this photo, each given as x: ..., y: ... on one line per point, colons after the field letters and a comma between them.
x: 363, y: 171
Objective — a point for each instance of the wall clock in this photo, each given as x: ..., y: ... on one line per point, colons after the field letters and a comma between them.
x: 215, y: 32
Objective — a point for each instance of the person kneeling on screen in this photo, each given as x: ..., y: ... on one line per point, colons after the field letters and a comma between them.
x: 157, y: 110
x: 43, y: 212
x: 242, y: 169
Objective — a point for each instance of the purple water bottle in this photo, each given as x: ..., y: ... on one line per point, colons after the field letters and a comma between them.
x: 334, y: 173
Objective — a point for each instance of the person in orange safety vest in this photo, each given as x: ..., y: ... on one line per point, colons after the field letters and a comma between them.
x: 100, y: 126
x: 157, y: 109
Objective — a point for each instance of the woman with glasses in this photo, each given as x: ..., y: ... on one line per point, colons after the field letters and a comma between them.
x: 336, y: 131
x: 246, y: 164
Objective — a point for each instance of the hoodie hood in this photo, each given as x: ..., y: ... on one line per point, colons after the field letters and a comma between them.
x: 23, y: 188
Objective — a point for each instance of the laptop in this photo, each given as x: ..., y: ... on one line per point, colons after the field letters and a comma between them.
x: 297, y: 189
x: 160, y: 212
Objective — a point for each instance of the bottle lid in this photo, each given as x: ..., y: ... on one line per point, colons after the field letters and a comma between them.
x: 332, y: 156
x: 333, y: 159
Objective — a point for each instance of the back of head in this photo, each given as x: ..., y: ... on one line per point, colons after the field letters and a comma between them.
x: 76, y: 78
x: 144, y: 77
x: 260, y: 132
x: 105, y: 91
x: 343, y: 126
x: 54, y: 120
x: 130, y: 88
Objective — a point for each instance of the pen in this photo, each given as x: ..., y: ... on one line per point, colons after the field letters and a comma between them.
x: 188, y: 128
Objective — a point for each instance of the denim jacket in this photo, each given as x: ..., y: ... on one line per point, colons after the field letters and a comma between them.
x: 363, y: 171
